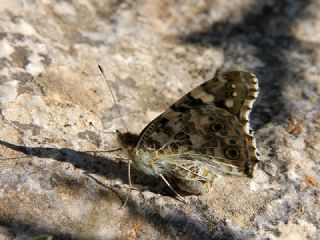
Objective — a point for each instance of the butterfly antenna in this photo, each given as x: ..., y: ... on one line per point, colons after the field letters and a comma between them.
x: 114, y: 99
x: 129, y: 161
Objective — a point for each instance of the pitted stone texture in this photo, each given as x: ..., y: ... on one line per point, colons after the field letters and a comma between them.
x: 153, y: 52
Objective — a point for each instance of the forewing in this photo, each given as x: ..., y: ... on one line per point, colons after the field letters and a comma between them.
x: 233, y: 91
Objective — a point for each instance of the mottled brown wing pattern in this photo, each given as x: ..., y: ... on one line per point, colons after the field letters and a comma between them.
x: 233, y: 92
x: 204, y: 134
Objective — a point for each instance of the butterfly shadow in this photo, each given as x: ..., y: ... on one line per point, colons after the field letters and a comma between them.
x: 92, y: 163
x: 89, y: 162
x: 112, y: 169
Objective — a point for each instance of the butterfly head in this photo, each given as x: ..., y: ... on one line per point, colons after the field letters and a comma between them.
x: 127, y: 141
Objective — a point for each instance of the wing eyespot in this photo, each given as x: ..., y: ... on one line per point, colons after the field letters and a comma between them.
x: 232, y: 153
x: 217, y: 126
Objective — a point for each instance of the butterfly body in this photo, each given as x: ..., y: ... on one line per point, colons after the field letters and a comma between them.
x: 203, y: 135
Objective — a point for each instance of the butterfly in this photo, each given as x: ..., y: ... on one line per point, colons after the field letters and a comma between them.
x: 203, y: 135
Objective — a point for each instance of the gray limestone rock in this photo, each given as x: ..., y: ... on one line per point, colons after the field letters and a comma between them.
x: 153, y: 52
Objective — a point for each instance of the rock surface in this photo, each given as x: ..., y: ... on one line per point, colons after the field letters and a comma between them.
x: 153, y: 52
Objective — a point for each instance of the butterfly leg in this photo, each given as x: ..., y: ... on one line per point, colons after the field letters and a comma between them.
x: 130, y: 183
x: 178, y: 195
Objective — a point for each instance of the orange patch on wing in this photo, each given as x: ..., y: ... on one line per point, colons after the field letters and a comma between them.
x: 173, y: 115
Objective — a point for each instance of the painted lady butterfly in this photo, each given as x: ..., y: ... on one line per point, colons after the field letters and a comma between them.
x: 203, y: 135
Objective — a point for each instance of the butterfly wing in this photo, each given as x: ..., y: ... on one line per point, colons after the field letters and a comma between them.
x: 206, y: 132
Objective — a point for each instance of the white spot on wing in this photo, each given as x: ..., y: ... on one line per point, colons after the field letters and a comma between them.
x: 229, y: 102
x: 199, y: 93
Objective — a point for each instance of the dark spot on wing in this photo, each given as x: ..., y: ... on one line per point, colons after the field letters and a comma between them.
x: 220, y: 104
x: 179, y: 108
x: 163, y: 121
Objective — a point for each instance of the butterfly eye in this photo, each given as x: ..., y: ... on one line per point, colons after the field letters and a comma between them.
x: 130, y: 140
x: 232, y: 153
x: 233, y: 142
